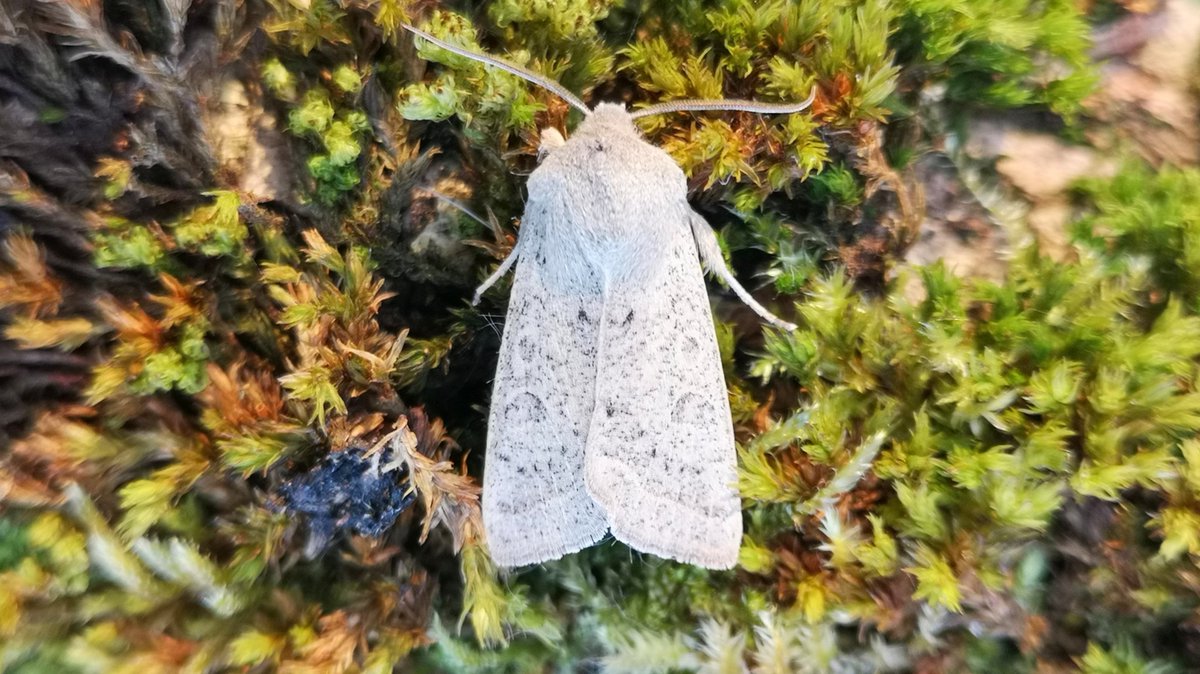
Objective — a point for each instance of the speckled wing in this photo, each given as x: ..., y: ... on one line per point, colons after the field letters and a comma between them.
x: 660, y: 458
x: 535, y: 505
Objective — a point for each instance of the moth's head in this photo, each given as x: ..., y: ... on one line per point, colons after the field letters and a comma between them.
x: 613, y: 115
x: 608, y: 119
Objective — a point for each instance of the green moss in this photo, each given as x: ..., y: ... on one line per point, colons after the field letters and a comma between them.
x: 128, y: 245
x: 988, y: 53
x: 216, y: 229
x: 313, y: 115
x: 13, y: 543
x: 1149, y: 219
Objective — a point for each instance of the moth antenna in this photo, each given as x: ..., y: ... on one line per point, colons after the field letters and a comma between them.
x: 696, y: 105
x: 525, y: 74
x: 456, y: 204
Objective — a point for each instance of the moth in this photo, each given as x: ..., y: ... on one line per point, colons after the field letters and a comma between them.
x: 609, y: 410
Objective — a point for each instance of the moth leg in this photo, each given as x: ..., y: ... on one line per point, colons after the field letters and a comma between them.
x: 710, y: 253
x: 498, y: 274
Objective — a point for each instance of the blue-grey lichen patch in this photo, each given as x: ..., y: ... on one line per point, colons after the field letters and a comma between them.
x: 347, y: 491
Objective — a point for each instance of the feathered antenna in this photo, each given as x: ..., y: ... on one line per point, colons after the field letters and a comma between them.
x: 527, y: 75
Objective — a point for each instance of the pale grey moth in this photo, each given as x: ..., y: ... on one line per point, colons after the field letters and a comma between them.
x: 609, y: 410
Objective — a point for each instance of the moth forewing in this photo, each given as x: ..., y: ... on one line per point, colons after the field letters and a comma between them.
x: 535, y: 504
x: 660, y: 456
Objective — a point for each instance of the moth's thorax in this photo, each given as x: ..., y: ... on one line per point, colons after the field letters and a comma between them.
x: 606, y: 193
